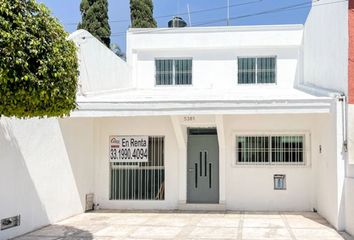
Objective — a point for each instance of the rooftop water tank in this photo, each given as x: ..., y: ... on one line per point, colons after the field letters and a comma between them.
x: 176, y: 22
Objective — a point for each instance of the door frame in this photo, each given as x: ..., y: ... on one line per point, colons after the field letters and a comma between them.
x: 202, y: 131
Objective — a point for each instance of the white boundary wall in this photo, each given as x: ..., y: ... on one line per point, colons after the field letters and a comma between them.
x: 349, y: 183
x: 46, y: 168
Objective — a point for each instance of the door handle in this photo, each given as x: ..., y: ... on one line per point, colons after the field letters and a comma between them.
x: 209, y: 175
x: 190, y: 169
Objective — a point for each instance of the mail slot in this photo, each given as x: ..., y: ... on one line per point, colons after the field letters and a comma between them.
x: 279, y: 182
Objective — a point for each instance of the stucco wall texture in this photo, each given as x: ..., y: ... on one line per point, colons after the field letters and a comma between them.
x: 350, y: 171
x: 351, y: 52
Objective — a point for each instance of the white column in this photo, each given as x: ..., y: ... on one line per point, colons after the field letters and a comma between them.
x: 219, y: 120
x: 340, y: 163
x: 182, y: 157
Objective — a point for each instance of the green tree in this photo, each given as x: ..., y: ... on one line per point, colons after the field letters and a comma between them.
x: 141, y: 14
x: 95, y: 19
x: 38, y: 65
x: 116, y: 49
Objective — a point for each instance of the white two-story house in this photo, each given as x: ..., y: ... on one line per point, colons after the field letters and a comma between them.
x: 229, y: 118
x: 247, y: 118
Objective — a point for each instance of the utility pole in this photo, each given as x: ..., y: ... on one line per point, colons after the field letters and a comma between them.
x: 189, y: 15
x: 228, y: 13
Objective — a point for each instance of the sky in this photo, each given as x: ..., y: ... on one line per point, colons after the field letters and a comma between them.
x: 203, y: 13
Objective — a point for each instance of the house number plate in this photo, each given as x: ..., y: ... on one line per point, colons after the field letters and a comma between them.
x: 189, y: 118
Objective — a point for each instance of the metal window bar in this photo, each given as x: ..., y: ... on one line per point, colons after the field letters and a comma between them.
x: 164, y: 71
x: 252, y: 149
x: 140, y: 180
x: 266, y: 70
x: 246, y: 70
x: 252, y: 70
x: 173, y: 71
x: 288, y: 149
x: 270, y: 149
x: 183, y: 71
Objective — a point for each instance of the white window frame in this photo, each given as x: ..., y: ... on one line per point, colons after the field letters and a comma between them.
x: 173, y: 72
x: 256, y: 69
x: 307, y: 149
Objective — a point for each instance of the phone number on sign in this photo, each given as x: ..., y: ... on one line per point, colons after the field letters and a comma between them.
x: 128, y: 154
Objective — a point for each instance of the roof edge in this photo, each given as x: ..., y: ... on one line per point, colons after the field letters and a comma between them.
x: 79, y: 33
x: 245, y: 28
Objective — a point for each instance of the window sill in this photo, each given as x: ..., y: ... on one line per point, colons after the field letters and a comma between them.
x: 137, y: 200
x: 174, y: 85
x: 271, y: 165
x: 256, y: 84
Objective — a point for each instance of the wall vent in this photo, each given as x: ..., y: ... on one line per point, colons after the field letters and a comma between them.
x: 89, y: 202
x: 10, y: 222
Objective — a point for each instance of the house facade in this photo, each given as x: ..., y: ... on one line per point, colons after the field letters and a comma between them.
x: 242, y: 89
x: 251, y: 118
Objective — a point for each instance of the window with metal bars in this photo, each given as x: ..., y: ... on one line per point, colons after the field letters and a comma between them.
x: 140, y: 180
x: 270, y: 149
x: 254, y: 70
x: 173, y: 71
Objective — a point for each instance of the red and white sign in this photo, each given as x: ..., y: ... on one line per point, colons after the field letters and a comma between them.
x: 128, y: 148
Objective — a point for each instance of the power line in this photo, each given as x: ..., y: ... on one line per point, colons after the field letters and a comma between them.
x: 275, y: 10
x: 328, y: 3
x: 213, y: 9
x: 205, y: 23
x: 289, y: 7
x: 185, y: 13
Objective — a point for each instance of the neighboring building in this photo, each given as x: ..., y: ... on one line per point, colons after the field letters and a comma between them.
x: 226, y: 118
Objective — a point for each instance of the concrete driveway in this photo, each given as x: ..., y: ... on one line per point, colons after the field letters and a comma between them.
x: 106, y: 225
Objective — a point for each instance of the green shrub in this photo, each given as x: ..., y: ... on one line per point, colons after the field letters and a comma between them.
x: 38, y: 65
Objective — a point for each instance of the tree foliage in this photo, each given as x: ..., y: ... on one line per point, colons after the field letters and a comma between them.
x: 38, y: 65
x: 141, y: 14
x: 116, y: 49
x: 95, y: 19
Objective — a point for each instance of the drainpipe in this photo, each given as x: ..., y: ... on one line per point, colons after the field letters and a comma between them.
x: 339, y: 96
x: 343, y: 99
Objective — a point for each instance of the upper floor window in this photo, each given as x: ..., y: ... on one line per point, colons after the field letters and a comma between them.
x: 253, y: 70
x: 173, y: 71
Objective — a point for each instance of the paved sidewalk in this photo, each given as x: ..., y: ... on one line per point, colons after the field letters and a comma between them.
x: 107, y: 225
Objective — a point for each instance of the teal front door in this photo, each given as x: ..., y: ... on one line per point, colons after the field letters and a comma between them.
x: 203, y: 167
